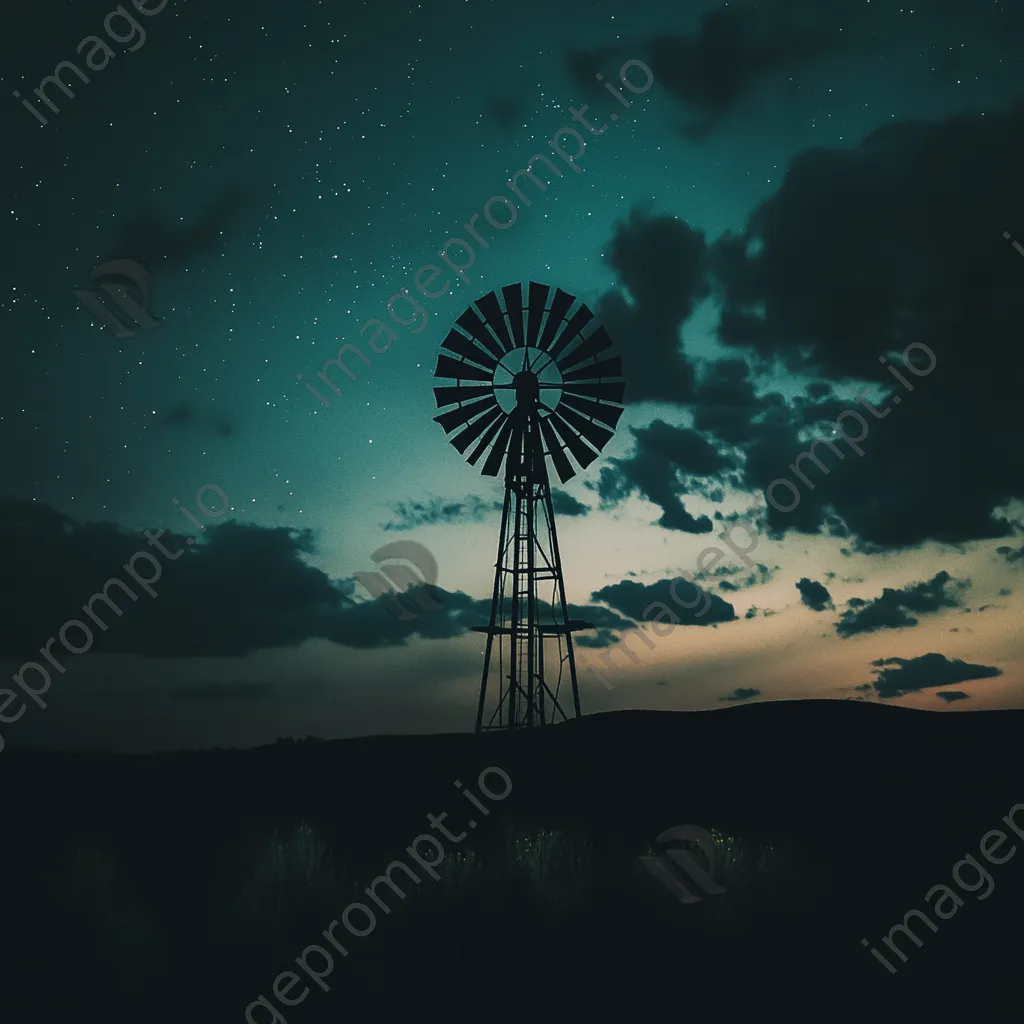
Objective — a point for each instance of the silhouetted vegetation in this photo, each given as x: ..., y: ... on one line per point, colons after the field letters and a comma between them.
x: 179, y: 886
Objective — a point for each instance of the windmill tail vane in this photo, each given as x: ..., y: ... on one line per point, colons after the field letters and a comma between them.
x: 529, y: 383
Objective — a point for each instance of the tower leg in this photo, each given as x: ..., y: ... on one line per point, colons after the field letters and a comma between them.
x: 495, y: 605
x: 557, y: 558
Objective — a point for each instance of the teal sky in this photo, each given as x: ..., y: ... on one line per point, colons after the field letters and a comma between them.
x: 281, y: 173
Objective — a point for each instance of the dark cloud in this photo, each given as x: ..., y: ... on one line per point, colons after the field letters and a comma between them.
x: 245, y: 588
x: 601, y: 638
x: 611, y: 487
x: 659, y: 261
x: 664, y: 467
x: 158, y: 241
x: 241, y: 690
x: 734, y: 51
x: 726, y: 402
x: 411, y: 514
x: 761, y: 575
x: 711, y: 72
x: 565, y: 504
x: 892, y: 610
x: 1011, y: 554
x: 951, y: 695
x: 814, y: 595
x: 585, y: 65
x: 722, y: 570
x: 505, y: 111
x: 899, y: 265
x: 185, y: 414
x: 912, y: 674
x: 741, y: 693
x: 633, y: 599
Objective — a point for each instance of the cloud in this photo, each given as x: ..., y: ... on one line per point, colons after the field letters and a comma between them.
x: 602, y: 638
x: 185, y: 414
x: 411, y: 514
x: 1011, y: 554
x: 951, y: 695
x: 900, y: 265
x: 712, y: 71
x: 666, y: 465
x: 241, y: 690
x: 892, y: 609
x: 158, y: 241
x: 741, y: 693
x: 505, y: 111
x: 814, y: 595
x: 913, y: 674
x: 659, y: 261
x: 565, y: 504
x: 634, y: 599
x: 761, y: 575
x: 245, y: 588
x: 726, y: 61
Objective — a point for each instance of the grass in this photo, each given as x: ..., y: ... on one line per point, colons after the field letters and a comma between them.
x: 251, y: 904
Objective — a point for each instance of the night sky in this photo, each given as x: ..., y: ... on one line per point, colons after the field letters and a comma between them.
x: 806, y: 190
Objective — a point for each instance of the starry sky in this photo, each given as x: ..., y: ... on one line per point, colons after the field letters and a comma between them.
x: 805, y: 191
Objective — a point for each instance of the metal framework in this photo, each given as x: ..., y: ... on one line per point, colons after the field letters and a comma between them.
x: 529, y: 386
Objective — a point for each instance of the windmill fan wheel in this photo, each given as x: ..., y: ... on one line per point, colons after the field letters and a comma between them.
x: 515, y: 369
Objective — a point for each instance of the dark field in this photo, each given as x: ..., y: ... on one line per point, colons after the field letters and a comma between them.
x: 177, y: 887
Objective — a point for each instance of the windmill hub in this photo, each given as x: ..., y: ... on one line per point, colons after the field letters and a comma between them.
x: 527, y: 386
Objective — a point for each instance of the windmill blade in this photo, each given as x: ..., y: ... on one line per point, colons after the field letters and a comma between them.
x: 607, y: 391
x: 501, y: 444
x: 597, y: 342
x: 580, y: 451
x: 475, y: 454
x: 607, y: 368
x: 461, y: 393
x: 466, y: 437
x: 456, y: 417
x: 461, y: 345
x: 538, y: 299
x: 474, y: 327
x: 513, y: 296
x: 563, y: 467
x: 578, y: 321
x: 597, y: 435
x: 607, y: 414
x: 494, y: 317
x: 448, y: 367
x: 559, y: 307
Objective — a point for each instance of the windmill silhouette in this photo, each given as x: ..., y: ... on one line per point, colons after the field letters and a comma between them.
x: 529, y: 386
